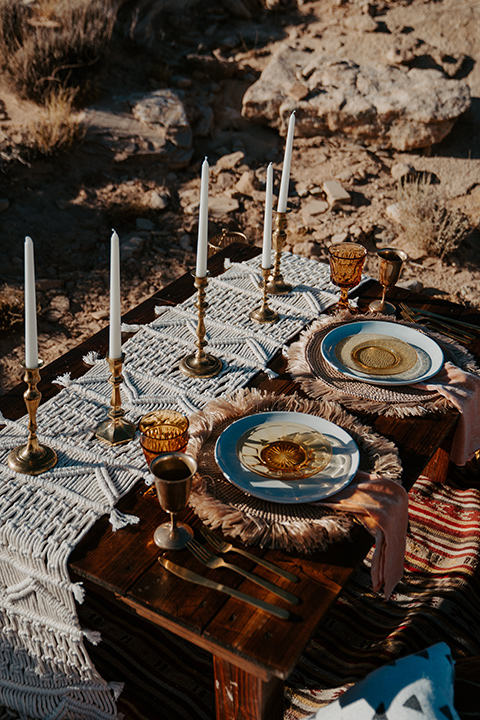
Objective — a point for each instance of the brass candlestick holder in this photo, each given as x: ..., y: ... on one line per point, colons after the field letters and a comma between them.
x: 115, y: 430
x: 200, y: 364
x: 276, y: 284
x: 264, y: 314
x: 32, y: 458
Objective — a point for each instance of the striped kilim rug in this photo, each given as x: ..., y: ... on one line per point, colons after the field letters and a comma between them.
x: 438, y: 599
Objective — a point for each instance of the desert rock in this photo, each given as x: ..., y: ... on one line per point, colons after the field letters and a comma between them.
x: 382, y: 105
x: 151, y: 125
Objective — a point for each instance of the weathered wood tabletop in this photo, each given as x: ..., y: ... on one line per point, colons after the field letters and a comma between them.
x: 253, y: 652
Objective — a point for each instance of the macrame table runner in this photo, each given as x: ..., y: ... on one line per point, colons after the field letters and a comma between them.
x: 45, y: 669
x: 302, y: 527
x: 320, y: 380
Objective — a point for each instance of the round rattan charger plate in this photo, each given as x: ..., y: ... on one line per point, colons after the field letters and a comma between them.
x: 319, y: 380
x: 303, y: 527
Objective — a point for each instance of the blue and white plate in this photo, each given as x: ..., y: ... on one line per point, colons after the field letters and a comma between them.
x: 336, y: 475
x: 429, y: 356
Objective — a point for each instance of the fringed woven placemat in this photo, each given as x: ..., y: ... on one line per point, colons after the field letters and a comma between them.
x: 304, y: 527
x: 319, y: 380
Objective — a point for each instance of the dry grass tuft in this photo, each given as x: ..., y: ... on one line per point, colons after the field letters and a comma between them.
x: 46, y: 45
x: 11, y: 307
x: 427, y: 222
x: 57, y: 127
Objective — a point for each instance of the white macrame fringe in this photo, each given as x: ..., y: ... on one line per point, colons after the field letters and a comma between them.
x: 120, y: 520
x: 93, y: 636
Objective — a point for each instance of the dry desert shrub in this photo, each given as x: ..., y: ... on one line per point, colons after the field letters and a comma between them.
x: 11, y: 307
x: 426, y: 221
x: 46, y: 45
x: 57, y: 126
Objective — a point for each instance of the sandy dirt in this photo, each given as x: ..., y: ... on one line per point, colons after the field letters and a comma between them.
x: 69, y: 203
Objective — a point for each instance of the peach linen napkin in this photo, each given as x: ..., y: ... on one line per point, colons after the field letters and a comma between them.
x: 462, y: 389
x: 381, y: 505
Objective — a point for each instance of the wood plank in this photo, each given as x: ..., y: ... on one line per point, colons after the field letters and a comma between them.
x: 240, y: 632
x: 275, y: 644
x: 244, y: 696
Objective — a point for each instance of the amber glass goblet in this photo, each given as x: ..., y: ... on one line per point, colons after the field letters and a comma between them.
x: 391, y: 263
x: 163, y: 431
x: 173, y: 473
x: 346, y: 265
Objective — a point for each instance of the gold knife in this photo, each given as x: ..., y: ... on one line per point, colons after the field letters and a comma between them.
x: 182, y: 572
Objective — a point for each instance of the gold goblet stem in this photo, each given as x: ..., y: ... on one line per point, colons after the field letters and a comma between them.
x: 383, y: 298
x: 391, y: 262
x: 173, y: 526
x: 264, y: 314
x: 277, y: 285
x: 32, y: 458
x: 115, y: 430
x: 201, y: 364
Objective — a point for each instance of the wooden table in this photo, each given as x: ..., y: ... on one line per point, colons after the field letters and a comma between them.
x: 253, y: 652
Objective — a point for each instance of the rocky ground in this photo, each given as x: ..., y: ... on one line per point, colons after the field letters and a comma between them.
x: 209, y: 55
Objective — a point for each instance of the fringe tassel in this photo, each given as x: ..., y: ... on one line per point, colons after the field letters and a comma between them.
x: 63, y: 380
x: 270, y: 373
x: 116, y: 688
x: 91, y: 357
x: 78, y: 592
x: 93, y: 636
x: 119, y: 520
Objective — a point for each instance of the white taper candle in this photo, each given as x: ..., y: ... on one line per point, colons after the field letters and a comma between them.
x: 115, y: 344
x: 283, y: 194
x: 31, y: 343
x: 267, y: 226
x: 202, y: 244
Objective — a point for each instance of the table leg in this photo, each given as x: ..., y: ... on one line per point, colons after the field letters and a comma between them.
x: 437, y: 468
x: 239, y: 695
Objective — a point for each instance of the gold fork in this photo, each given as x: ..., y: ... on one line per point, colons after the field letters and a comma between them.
x: 213, y: 562
x: 454, y: 322
x: 222, y: 546
x: 415, y: 317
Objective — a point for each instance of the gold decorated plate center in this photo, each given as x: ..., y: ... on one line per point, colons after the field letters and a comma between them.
x: 374, y: 357
x: 374, y: 354
x: 283, y: 455
x: 284, y: 450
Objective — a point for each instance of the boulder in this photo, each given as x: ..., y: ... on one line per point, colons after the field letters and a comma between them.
x: 381, y: 105
x: 164, y: 111
x: 150, y: 126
